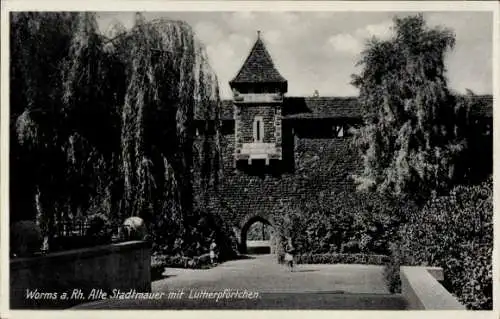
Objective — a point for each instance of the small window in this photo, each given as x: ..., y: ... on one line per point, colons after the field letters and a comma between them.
x: 340, y: 131
x: 258, y: 129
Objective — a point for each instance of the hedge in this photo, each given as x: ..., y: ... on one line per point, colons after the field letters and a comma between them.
x: 342, y: 223
x: 160, y: 262
x: 342, y: 259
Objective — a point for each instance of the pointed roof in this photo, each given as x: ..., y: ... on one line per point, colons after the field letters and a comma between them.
x: 258, y: 67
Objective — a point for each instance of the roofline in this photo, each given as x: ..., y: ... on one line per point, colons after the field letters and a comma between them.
x: 244, y: 62
x: 233, y: 81
x: 259, y: 38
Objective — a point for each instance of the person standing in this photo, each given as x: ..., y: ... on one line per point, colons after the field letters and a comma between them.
x: 213, y: 246
x: 289, y: 252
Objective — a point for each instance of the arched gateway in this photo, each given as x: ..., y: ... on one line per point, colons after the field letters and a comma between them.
x: 250, y: 221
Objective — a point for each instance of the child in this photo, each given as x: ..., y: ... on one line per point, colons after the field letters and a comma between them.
x: 213, y: 245
x: 289, y: 251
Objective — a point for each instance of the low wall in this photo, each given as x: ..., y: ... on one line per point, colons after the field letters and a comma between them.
x: 258, y: 247
x: 339, y: 258
x: 421, y: 288
x: 83, y: 274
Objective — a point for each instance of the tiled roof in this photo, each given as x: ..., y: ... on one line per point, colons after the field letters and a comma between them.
x: 483, y: 105
x: 321, y: 107
x: 258, y: 67
x: 341, y: 107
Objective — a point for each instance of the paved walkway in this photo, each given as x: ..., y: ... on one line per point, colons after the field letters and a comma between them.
x: 308, y: 287
x: 262, y: 273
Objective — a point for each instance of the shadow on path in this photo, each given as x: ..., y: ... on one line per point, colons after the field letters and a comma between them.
x: 268, y: 301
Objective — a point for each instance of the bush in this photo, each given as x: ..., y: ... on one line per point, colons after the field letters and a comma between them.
x: 207, y: 226
x: 99, y: 227
x: 392, y: 270
x: 157, y: 267
x: 455, y: 232
x: 25, y: 239
x: 160, y: 262
x: 356, y: 223
x: 342, y: 259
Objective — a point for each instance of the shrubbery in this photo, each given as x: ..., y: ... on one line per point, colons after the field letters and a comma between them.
x: 392, y: 269
x: 160, y: 262
x: 169, y: 239
x: 25, y: 239
x: 342, y: 259
x: 356, y: 223
x: 99, y: 227
x: 454, y: 232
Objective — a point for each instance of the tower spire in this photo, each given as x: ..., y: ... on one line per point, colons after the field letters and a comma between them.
x: 258, y: 67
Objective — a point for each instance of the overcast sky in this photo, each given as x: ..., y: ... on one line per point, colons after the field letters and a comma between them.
x: 318, y: 50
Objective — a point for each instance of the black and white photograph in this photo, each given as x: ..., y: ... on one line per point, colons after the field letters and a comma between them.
x: 250, y: 159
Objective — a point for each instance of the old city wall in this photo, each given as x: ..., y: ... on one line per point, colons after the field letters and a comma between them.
x: 314, y: 165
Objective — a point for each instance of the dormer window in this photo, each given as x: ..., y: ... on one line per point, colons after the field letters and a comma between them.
x: 258, y: 129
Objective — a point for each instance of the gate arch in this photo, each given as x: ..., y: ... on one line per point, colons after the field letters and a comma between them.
x: 245, y: 226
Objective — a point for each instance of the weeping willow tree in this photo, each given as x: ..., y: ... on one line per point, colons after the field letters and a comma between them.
x: 414, y: 132
x: 92, y: 99
x: 168, y: 81
x: 40, y: 43
x: 125, y: 127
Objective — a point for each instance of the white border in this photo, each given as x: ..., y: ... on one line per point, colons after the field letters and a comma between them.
x: 146, y: 5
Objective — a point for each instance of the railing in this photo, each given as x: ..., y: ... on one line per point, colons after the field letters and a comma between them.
x: 71, y: 227
x: 258, y: 98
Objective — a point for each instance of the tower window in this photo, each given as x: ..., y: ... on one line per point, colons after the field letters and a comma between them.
x: 258, y: 129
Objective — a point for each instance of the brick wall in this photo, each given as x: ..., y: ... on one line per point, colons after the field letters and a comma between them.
x: 318, y: 165
x: 247, y: 115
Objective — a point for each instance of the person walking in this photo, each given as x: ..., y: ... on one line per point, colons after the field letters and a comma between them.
x: 289, y: 252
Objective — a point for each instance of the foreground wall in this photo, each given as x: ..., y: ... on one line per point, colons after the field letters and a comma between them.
x: 422, y: 291
x: 123, y: 266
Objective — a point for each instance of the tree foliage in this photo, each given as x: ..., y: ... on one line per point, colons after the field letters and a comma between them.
x: 455, y: 232
x: 342, y: 223
x: 414, y: 129
x: 104, y: 125
x: 39, y: 44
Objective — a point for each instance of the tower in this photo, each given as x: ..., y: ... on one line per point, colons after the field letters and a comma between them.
x: 258, y: 91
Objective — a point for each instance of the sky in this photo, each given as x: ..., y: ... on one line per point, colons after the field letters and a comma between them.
x: 319, y: 50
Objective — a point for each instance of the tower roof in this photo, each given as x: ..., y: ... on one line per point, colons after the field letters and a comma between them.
x: 258, y: 67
